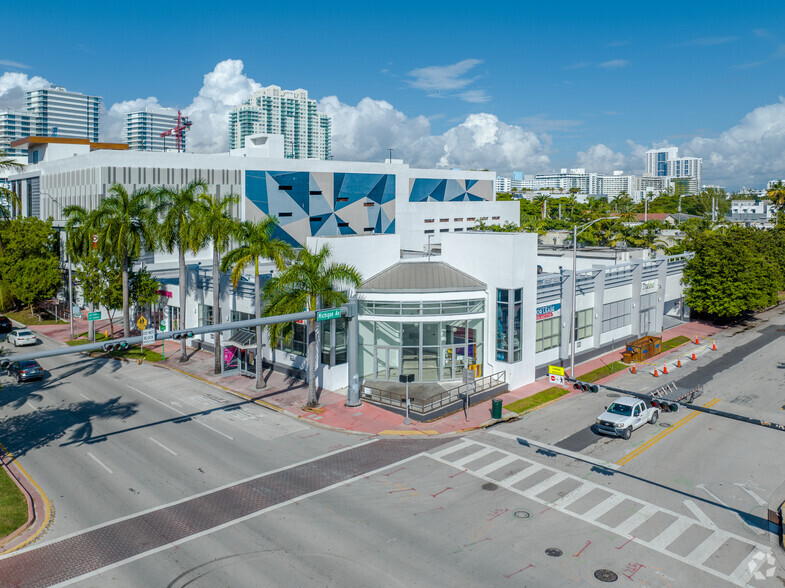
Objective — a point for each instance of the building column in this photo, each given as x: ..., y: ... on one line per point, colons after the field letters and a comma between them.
x: 566, y: 309
x: 599, y: 301
x: 637, y: 276
x: 662, y: 276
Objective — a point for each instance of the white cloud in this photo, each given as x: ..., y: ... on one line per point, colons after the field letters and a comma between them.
x: 708, y: 41
x: 443, y: 77
x: 601, y: 158
x: 614, y: 64
x: 366, y: 131
x: 13, y: 87
x: 474, y: 96
x: 14, y: 64
x: 541, y: 123
x: 748, y: 153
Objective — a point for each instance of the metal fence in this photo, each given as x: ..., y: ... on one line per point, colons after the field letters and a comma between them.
x: 431, y: 403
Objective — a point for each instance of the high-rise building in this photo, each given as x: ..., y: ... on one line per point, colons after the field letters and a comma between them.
x: 57, y: 112
x: 616, y: 185
x: 143, y: 130
x: 667, y: 163
x: 14, y: 124
x: 306, y: 132
x: 657, y: 160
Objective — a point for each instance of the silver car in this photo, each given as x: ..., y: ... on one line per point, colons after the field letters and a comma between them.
x: 20, y: 337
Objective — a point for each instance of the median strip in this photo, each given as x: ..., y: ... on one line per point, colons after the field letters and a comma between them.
x: 663, y: 434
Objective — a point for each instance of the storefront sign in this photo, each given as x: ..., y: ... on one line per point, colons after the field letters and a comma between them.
x: 164, y: 293
x: 544, y: 312
x: 648, y: 286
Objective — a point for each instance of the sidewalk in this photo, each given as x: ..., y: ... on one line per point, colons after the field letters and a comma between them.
x: 287, y: 395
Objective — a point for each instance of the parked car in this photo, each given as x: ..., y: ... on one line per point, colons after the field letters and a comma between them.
x: 6, y: 326
x: 625, y: 415
x: 20, y: 337
x: 28, y: 369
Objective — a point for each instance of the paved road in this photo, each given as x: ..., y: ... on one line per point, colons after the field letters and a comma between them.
x: 280, y: 503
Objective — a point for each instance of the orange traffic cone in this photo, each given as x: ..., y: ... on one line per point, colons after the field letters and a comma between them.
x: 697, y: 341
x: 693, y: 356
x: 656, y: 373
x: 714, y: 346
x: 634, y: 371
x: 678, y: 363
x: 665, y: 369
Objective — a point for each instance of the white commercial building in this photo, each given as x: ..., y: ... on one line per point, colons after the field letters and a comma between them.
x: 14, y: 124
x: 666, y: 163
x: 270, y: 110
x: 57, y: 112
x: 142, y: 130
x: 617, y: 184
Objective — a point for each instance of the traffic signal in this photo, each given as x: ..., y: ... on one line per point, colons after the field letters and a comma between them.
x: 4, y: 364
x: 665, y: 406
x: 115, y: 346
x: 182, y: 335
x: 586, y: 386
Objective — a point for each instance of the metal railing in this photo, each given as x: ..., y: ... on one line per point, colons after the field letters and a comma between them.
x: 435, y: 401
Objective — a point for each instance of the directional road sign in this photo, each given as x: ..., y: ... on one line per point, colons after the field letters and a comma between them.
x: 93, y: 316
x: 328, y: 314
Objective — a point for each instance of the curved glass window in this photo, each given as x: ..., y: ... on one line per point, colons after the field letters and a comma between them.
x: 435, y: 307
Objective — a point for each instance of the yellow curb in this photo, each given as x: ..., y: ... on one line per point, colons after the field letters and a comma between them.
x: 397, y: 432
x: 44, y: 498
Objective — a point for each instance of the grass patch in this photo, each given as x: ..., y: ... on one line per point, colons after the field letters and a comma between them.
x: 603, y: 372
x: 138, y: 353
x: 13, y: 506
x: 29, y: 319
x: 534, y: 400
x: 675, y: 342
x: 82, y: 339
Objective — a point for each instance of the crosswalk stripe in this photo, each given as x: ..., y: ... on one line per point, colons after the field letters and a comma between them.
x: 711, y: 544
x: 669, y: 535
x: 476, y: 455
x: 603, y: 507
x: 451, y: 449
x: 573, y: 496
x: 499, y: 463
x: 636, y: 520
x: 746, y: 568
x: 544, y: 485
x: 527, y: 471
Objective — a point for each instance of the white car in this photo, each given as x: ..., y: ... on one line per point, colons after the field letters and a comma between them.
x: 625, y: 415
x: 20, y: 337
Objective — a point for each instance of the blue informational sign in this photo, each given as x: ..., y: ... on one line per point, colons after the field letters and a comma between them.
x: 547, y: 311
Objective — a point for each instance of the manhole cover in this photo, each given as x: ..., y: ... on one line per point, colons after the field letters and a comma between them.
x: 606, y: 575
x: 554, y: 552
x: 665, y: 425
x: 612, y: 395
x: 490, y: 486
x: 521, y: 514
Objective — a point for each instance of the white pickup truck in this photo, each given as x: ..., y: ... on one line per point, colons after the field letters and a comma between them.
x: 625, y: 415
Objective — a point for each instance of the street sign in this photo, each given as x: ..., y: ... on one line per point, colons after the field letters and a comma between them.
x: 556, y: 370
x: 328, y: 314
x: 163, y: 325
x: 141, y: 322
x: 148, y: 336
x: 93, y: 316
x: 557, y: 379
x: 75, y: 309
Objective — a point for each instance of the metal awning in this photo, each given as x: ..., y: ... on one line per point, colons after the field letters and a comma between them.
x: 242, y: 339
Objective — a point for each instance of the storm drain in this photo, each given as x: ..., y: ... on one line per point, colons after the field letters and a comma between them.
x: 606, y: 575
x: 554, y: 552
x: 522, y: 514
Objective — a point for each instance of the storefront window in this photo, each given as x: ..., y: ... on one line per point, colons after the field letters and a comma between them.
x: 509, y: 325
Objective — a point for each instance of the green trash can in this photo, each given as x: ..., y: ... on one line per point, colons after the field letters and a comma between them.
x: 496, y: 408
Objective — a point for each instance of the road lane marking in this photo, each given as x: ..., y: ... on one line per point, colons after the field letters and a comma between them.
x: 669, y: 535
x: 699, y: 514
x: 33, y: 406
x: 553, y: 448
x: 83, y: 396
x: 200, y: 494
x: 162, y: 446
x: 476, y: 455
x: 637, y: 519
x: 100, y: 463
x: 197, y: 420
x: 720, y: 501
x: 658, y: 437
x: 156, y: 399
x: 709, y: 545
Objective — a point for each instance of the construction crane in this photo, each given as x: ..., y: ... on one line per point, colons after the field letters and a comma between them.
x: 178, y: 131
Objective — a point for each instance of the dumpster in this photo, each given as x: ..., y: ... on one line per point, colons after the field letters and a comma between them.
x: 641, y: 349
x: 496, y: 408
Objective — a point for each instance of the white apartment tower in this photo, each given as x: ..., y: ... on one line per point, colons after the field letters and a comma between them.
x: 14, y: 124
x: 142, y: 130
x: 57, y: 112
x: 667, y: 163
x: 306, y: 132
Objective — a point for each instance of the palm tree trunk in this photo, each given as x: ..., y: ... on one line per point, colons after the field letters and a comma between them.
x: 257, y: 306
x: 126, y: 310
x: 312, y: 401
x: 183, y: 293
x: 217, y: 309
x: 91, y: 324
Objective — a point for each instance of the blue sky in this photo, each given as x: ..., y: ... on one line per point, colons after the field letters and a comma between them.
x: 534, y: 86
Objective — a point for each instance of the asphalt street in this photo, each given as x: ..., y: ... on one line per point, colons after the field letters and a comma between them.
x: 160, y: 480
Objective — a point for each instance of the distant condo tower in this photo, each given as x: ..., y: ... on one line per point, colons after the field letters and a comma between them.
x: 289, y: 113
x: 56, y: 112
x: 143, y: 130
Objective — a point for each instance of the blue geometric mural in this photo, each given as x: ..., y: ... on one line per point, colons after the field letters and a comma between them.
x: 442, y: 190
x: 323, y: 203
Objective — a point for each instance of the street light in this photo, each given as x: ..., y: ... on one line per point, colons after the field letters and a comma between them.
x: 68, y: 262
x: 575, y: 233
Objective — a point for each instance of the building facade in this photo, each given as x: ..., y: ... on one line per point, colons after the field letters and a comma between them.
x: 142, y: 130
x: 307, y: 133
x: 56, y: 112
x: 14, y: 125
x: 684, y: 172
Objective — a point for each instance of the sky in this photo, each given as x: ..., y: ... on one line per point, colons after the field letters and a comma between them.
x: 528, y: 86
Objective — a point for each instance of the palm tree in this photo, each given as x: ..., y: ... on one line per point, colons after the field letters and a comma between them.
x: 177, y: 233
x: 542, y: 200
x: 306, y: 284
x: 213, y: 222
x: 124, y: 224
x: 776, y: 193
x: 78, y: 242
x: 9, y: 163
x: 255, y: 241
